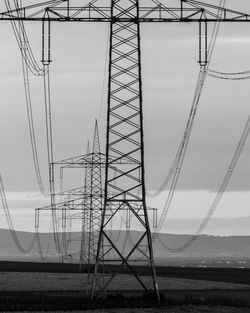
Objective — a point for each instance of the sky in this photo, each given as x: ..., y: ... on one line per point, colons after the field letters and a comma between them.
x: 79, y: 93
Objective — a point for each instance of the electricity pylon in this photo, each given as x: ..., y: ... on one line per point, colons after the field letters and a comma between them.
x: 96, y: 197
x: 84, y: 203
x: 92, y: 199
x: 125, y: 140
x: 93, y: 204
x: 84, y: 256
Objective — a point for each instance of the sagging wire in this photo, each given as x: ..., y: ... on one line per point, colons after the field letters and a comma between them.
x: 27, y: 54
x: 228, y: 174
x: 104, y: 76
x: 36, y: 236
x: 185, y: 140
x: 10, y: 224
x: 29, y: 60
x: 30, y: 119
x: 43, y: 255
x: 229, y: 75
x: 195, y: 102
x: 179, y: 159
x: 220, y: 192
x: 49, y: 137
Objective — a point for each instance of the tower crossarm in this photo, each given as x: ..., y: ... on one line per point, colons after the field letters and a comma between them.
x: 83, y: 161
x: 154, y: 11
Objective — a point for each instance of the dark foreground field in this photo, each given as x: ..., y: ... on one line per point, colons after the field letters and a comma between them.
x: 229, y: 275
x: 171, y: 301
x: 52, y: 287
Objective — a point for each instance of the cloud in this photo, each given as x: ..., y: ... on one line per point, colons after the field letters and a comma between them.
x: 196, y: 203
x: 236, y: 39
x: 25, y: 200
x: 186, y: 205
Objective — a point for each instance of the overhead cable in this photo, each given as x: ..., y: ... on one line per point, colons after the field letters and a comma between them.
x: 10, y: 224
x: 179, y: 159
x: 180, y: 154
x: 220, y: 192
x: 31, y: 122
x: 43, y: 255
x: 26, y: 53
x: 229, y: 76
x: 36, y: 236
x: 49, y: 137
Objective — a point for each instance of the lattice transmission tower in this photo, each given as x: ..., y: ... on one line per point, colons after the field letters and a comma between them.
x: 124, y: 137
x: 93, y: 204
x: 83, y: 204
x: 125, y: 140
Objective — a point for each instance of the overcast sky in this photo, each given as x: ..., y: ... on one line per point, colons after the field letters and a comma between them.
x: 79, y: 93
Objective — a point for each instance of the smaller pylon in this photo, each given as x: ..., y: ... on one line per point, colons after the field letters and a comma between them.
x: 96, y: 196
x: 92, y: 205
x: 84, y: 251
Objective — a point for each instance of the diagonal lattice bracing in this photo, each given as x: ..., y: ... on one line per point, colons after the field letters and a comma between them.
x: 124, y: 191
x: 85, y: 235
x: 96, y: 197
x: 100, y: 11
x: 92, y: 205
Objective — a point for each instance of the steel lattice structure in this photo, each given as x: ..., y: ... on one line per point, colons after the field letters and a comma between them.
x: 126, y: 190
x: 93, y: 204
x: 84, y: 255
x: 96, y: 198
x: 125, y: 139
x: 84, y: 203
x: 99, y: 11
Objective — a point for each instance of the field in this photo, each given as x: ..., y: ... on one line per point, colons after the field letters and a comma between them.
x: 180, y: 309
x: 16, y: 281
x: 176, y: 309
x: 34, y: 287
x: 26, y: 291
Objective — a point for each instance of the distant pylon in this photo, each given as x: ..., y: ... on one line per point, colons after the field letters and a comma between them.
x: 84, y: 250
x: 96, y: 196
x: 92, y: 204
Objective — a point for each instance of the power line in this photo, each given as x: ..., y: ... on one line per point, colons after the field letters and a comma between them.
x: 26, y: 53
x: 180, y: 156
x: 36, y: 236
x: 29, y: 62
x: 31, y: 121
x: 104, y: 78
x: 49, y: 136
x: 220, y: 192
x: 10, y: 224
x: 229, y: 76
x: 187, y: 132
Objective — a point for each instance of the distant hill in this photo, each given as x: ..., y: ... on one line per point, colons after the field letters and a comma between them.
x: 206, y: 247
x: 217, y: 226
